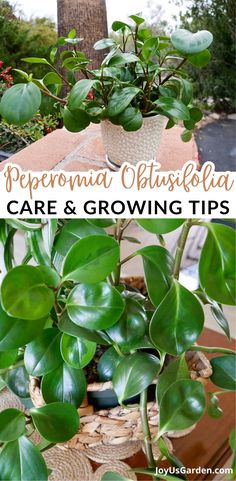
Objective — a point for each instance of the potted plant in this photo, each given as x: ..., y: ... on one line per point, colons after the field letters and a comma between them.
x: 71, y: 307
x: 139, y: 88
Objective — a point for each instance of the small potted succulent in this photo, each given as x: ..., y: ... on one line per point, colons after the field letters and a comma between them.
x: 139, y: 89
x: 69, y: 324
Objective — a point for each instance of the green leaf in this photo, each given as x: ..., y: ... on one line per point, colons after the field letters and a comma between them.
x: 12, y: 424
x: 160, y: 226
x: 96, y: 306
x: 79, y: 93
x: 200, y: 60
x: 120, y: 99
x: 220, y: 318
x: 131, y: 119
x: 77, y: 352
x: 43, y: 354
x: 91, y: 259
x: 8, y: 358
x: 213, y: 409
x: 177, y: 321
x: 102, y: 222
x: 24, y: 294
x: 196, y: 114
x: 186, y: 136
x: 182, y: 405
x: 72, y: 232
x: 75, y: 121
x: 20, y: 460
x: 131, y: 326
x: 173, y: 107
x: 187, y: 92
x: 173, y: 460
x: 18, y: 381
x: 134, y: 374
x: 122, y: 59
x: 117, y: 25
x: 16, y: 333
x: 104, y: 43
x: 191, y: 43
x: 150, y: 48
x: 67, y: 326
x: 137, y: 19
x: 20, y: 103
x: 42, y: 61
x: 57, y: 422
x: 65, y: 384
x: 224, y: 372
x: 72, y: 33
x: 217, y: 264
x: 23, y: 225
x: 158, y: 268
x: 107, y: 364
x: 175, y: 371
x: 50, y: 276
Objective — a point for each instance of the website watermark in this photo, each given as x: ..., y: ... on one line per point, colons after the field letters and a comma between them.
x: 196, y: 470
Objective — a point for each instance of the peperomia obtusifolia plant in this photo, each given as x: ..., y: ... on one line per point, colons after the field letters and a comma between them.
x: 66, y: 299
x: 141, y: 76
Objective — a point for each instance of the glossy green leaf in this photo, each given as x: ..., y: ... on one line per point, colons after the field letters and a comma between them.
x: 67, y: 326
x: 175, y: 108
x: 150, y: 48
x: 20, y: 460
x: 18, y: 381
x: 131, y: 119
x: 74, y: 230
x: 79, y: 93
x: 186, y: 136
x: 160, y: 226
x: 37, y: 60
x: 57, y: 422
x: 91, y: 259
x: 43, y: 354
x: 102, y: 222
x: 95, y: 306
x: 104, y: 43
x: 196, y: 114
x: 191, y: 43
x: 134, y: 374
x: 214, y: 410
x: 120, y: 99
x: 224, y: 372
x: 182, y: 405
x: 187, y: 91
x: 65, y: 384
x: 137, y: 19
x: 201, y: 59
x: 171, y: 458
x: 15, y: 333
x: 12, y: 424
x: 117, y: 25
x: 122, y: 59
x: 75, y: 121
x: 24, y: 294
x: 23, y: 225
x: 8, y: 358
x: 177, y: 321
x: 107, y: 364
x: 77, y: 352
x: 217, y: 264
x: 158, y: 267
x: 220, y: 318
x: 50, y: 276
x: 175, y: 371
x: 20, y: 103
x: 131, y: 326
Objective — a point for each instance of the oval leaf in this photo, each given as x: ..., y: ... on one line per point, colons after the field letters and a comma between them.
x: 91, y: 259
x: 182, y: 405
x: 120, y: 99
x: 20, y: 103
x: 72, y: 232
x: 160, y: 226
x: 131, y: 119
x: 224, y: 372
x: 68, y: 327
x: 134, y: 374
x: 56, y: 422
x: 107, y: 364
x: 77, y: 352
x: 173, y: 107
x: 97, y: 306
x: 24, y: 294
x: 65, y: 384
x: 190, y: 43
x: 12, y: 424
x: 79, y: 93
x: 177, y: 322
x: 43, y: 354
x: 75, y: 121
x: 17, y: 381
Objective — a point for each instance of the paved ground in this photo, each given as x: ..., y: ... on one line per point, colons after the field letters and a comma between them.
x: 217, y: 143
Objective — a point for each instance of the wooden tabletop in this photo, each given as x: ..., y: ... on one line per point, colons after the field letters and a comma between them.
x: 207, y: 446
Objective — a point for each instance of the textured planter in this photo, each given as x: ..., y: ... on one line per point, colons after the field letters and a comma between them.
x: 132, y: 147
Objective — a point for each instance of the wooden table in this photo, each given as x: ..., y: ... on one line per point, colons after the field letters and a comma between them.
x: 207, y: 446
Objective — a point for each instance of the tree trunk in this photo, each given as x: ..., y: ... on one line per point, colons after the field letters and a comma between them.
x: 89, y: 18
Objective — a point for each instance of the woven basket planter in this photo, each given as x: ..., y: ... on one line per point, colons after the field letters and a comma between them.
x: 118, y: 425
x: 132, y: 147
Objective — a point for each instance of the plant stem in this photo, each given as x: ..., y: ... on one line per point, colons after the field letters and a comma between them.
x: 118, y: 236
x: 177, y: 68
x: 127, y: 258
x: 146, y: 430
x: 211, y: 349
x: 180, y: 247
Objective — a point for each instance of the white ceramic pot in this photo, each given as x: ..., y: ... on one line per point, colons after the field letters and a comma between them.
x: 132, y: 147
